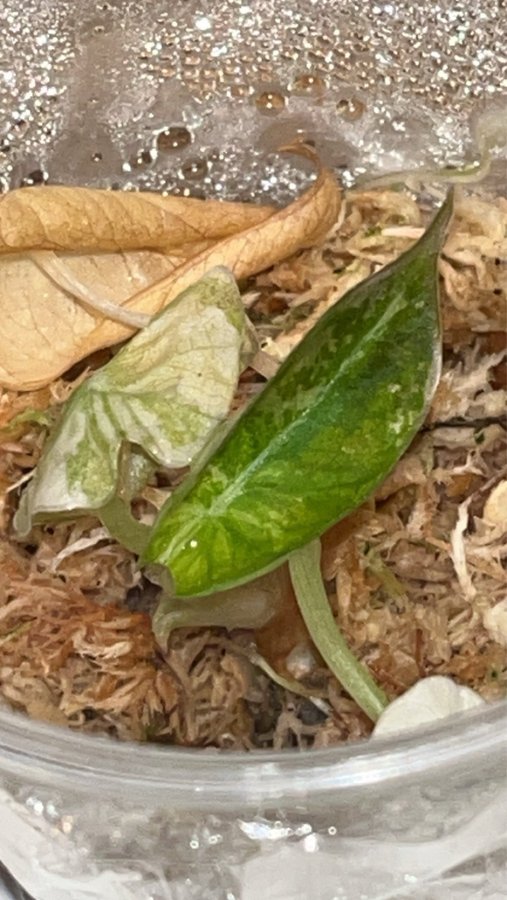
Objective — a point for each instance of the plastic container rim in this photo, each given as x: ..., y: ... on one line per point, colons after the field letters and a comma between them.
x: 46, y: 754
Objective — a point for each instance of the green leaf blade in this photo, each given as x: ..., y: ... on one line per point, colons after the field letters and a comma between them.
x: 322, y: 435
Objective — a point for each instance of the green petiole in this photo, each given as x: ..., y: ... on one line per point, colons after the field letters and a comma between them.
x: 313, y: 603
x: 122, y: 526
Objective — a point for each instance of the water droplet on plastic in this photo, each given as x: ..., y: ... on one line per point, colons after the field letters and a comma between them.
x: 240, y: 90
x: 97, y: 157
x: 168, y: 72
x: 308, y: 83
x: 194, y: 168
x: 142, y: 158
x: 202, y: 23
x: 20, y: 126
x: 173, y: 138
x: 231, y: 68
x: 351, y: 109
x: 38, y: 176
x: 270, y: 102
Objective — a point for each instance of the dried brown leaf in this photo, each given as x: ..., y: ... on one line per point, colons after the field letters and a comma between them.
x: 299, y: 225
x: 42, y: 321
x: 47, y: 323
x: 88, y: 220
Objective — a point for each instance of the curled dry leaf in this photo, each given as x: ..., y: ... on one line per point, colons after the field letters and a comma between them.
x: 88, y: 220
x: 47, y: 319
x: 299, y: 225
x: 44, y: 313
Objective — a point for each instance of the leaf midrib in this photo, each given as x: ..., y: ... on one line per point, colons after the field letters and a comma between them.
x: 223, y: 500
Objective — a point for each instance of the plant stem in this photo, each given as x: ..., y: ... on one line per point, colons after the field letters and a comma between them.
x: 122, y: 526
x: 314, y: 605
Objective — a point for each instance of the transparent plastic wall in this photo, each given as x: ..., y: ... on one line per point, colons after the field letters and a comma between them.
x: 196, y: 98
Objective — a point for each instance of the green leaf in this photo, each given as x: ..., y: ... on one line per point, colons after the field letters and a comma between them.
x: 322, y: 435
x: 164, y: 392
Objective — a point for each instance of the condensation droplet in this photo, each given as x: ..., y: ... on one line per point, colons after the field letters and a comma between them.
x: 20, y: 126
x: 97, y: 157
x: 351, y: 109
x: 191, y: 76
x: 240, y: 90
x: 208, y: 85
x: 270, y: 101
x: 202, y: 23
x: 194, y: 168
x: 173, y: 138
x: 231, y: 67
x: 38, y: 176
x: 142, y: 158
x: 167, y: 72
x: 309, y: 83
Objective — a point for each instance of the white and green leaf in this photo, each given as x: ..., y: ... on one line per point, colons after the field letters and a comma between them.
x: 164, y: 392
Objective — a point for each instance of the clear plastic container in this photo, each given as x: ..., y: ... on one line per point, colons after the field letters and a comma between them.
x: 196, y: 97
x: 424, y: 815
